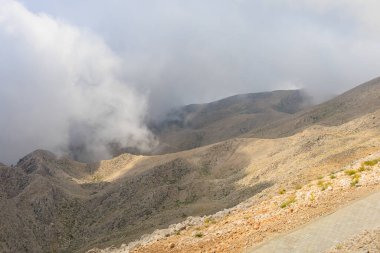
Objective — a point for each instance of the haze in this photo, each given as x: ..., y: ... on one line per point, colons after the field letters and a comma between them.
x: 79, y: 75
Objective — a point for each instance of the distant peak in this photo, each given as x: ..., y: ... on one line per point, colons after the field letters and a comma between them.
x: 43, y: 155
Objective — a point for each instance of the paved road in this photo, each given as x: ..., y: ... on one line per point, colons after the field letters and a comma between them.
x: 328, y: 231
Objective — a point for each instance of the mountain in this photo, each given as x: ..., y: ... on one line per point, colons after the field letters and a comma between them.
x: 202, y: 124
x: 262, y: 115
x: 66, y: 206
x: 352, y: 104
x: 53, y: 204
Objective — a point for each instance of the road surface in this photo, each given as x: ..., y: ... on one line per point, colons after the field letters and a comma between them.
x: 328, y: 231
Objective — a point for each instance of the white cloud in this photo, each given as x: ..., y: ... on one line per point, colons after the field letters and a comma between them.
x: 180, y: 52
x: 197, y: 51
x: 59, y: 83
x: 363, y: 13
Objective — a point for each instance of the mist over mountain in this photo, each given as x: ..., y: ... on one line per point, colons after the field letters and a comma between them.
x: 228, y: 126
x: 197, y: 125
x: 77, y: 77
x: 62, y: 89
x: 212, y: 158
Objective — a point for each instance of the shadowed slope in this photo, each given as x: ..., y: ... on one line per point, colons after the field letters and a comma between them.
x: 57, y: 205
x: 48, y: 204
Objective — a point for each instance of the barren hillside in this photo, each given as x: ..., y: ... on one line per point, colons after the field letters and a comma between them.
x: 261, y: 115
x: 306, y: 188
x: 352, y: 104
x: 197, y: 125
x: 52, y: 204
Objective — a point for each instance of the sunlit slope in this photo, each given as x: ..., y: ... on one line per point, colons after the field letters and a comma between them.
x: 350, y: 105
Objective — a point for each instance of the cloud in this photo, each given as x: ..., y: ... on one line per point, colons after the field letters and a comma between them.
x: 62, y: 88
x: 170, y: 52
x: 208, y: 50
x: 197, y: 51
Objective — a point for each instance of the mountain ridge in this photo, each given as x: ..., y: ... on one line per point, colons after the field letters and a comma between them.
x: 48, y: 203
x: 353, y: 103
x: 196, y: 125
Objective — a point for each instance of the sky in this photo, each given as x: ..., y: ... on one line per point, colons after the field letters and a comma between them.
x: 81, y: 74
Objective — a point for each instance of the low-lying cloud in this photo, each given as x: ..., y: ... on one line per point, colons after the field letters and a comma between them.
x: 62, y: 88
x: 198, y: 51
x: 93, y: 70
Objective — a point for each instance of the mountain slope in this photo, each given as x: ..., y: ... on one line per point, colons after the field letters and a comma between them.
x: 202, y: 124
x: 352, y: 104
x: 323, y: 169
x: 51, y: 204
x: 61, y: 205
x: 73, y: 207
x: 262, y: 115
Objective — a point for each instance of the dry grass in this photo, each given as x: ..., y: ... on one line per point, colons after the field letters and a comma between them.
x: 288, y: 202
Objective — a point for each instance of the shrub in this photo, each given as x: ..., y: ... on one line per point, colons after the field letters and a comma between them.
x: 350, y: 172
x: 355, y: 180
x: 209, y: 220
x: 371, y: 162
x: 198, y: 234
x: 324, y: 185
x: 282, y: 191
x: 289, y: 201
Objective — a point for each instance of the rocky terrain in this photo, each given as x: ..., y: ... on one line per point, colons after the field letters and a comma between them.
x: 352, y: 104
x: 367, y: 241
x: 211, y: 189
x: 260, y: 115
x: 277, y: 210
x: 197, y: 125
x: 66, y: 205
